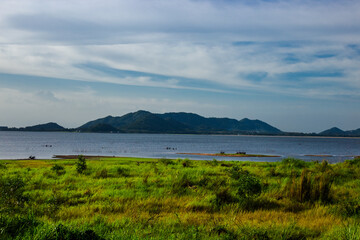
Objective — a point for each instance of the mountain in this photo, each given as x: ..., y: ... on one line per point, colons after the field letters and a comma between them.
x: 355, y: 132
x: 340, y: 133
x: 226, y: 125
x: 47, y: 127
x: 102, y: 128
x: 139, y: 122
x: 147, y: 122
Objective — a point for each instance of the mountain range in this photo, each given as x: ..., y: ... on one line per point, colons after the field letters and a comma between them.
x: 147, y: 122
x: 180, y: 122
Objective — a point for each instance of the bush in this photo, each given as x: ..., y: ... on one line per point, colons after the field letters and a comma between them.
x: 58, y: 169
x: 248, y: 186
x: 186, y: 163
x: 293, y: 163
x: 81, y: 164
x: 12, y: 192
x: 166, y: 161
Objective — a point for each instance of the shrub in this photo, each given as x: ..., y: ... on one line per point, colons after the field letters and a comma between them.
x: 81, y: 164
x: 58, y: 169
x: 293, y: 163
x: 166, y: 161
x: 12, y: 192
x: 186, y: 163
x: 248, y: 186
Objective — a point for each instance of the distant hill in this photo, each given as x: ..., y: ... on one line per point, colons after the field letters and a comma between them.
x: 333, y: 132
x: 140, y: 122
x: 179, y: 122
x: 340, y: 133
x: 147, y: 122
x: 202, y: 124
x: 47, y: 127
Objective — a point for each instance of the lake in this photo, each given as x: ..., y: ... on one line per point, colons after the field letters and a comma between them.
x: 43, y: 145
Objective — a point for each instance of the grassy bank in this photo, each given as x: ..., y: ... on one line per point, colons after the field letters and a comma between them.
x: 131, y: 198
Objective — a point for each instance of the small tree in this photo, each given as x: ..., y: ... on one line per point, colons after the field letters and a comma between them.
x: 81, y: 164
x: 248, y: 186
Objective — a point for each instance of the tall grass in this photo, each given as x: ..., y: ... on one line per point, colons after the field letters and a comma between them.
x: 131, y: 198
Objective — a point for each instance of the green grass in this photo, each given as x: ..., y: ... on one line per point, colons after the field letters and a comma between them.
x: 136, y: 198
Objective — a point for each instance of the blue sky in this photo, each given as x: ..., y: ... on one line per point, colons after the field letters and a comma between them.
x: 294, y: 64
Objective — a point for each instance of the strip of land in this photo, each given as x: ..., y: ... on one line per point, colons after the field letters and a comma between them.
x: 229, y: 155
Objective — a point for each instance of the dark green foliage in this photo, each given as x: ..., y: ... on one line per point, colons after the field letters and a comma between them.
x: 166, y: 161
x: 348, y: 208
x: 12, y: 192
x: 224, y: 233
x: 81, y: 164
x: 61, y: 232
x: 291, y: 232
x: 248, y: 186
x: 57, y: 167
x: 103, y: 173
x: 60, y: 170
x: 11, y: 227
x: 186, y: 163
x: 222, y: 196
x: 181, y: 184
x: 122, y: 172
x: 3, y: 166
x: 353, y: 162
x: 293, y: 163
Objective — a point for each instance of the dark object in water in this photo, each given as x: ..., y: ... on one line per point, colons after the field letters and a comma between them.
x: 31, y: 157
x: 241, y: 153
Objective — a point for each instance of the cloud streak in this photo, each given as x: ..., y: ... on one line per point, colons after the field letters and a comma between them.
x: 308, y: 49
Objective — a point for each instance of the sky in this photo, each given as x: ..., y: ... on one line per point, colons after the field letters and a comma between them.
x: 294, y: 64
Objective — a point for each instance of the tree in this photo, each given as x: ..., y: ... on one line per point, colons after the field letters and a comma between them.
x: 81, y: 164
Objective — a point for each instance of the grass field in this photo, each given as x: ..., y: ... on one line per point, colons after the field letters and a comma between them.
x: 133, y: 198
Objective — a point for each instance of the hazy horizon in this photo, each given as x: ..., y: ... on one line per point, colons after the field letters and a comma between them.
x: 293, y: 64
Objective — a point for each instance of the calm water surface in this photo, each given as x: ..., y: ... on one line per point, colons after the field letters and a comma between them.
x: 16, y: 145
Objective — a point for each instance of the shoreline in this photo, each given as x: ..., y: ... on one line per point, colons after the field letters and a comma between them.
x: 229, y: 155
x: 206, y: 134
